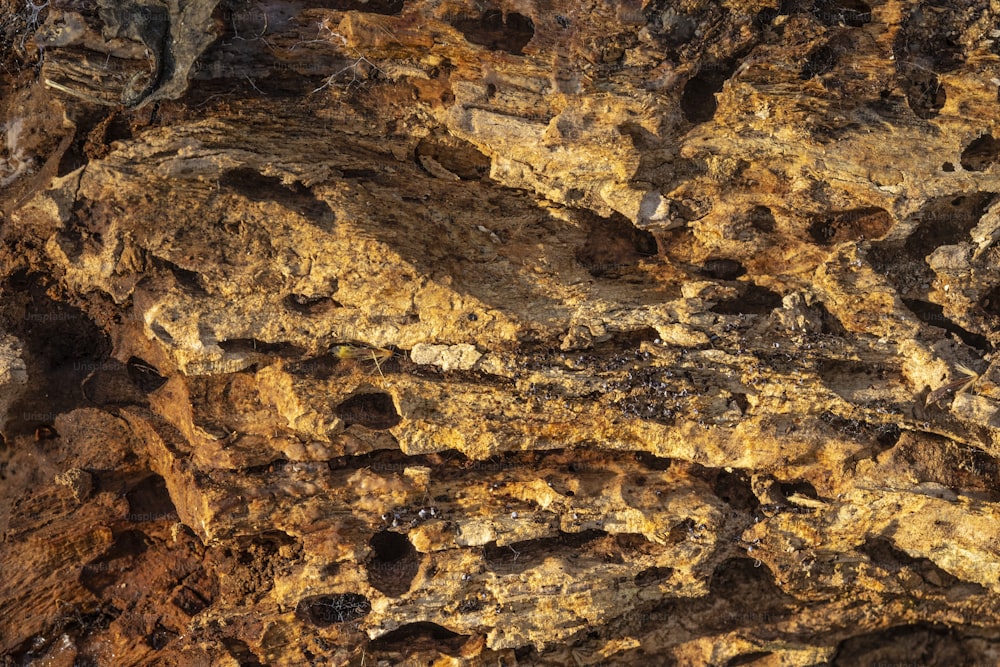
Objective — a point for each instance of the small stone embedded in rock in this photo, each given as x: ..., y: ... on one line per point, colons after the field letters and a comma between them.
x: 447, y: 357
x: 80, y: 482
x: 13, y: 373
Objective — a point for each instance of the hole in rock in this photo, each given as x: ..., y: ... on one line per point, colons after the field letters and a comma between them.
x: 748, y: 658
x: 851, y: 13
x: 932, y: 644
x: 414, y: 636
x: 723, y: 269
x: 310, y: 305
x: 160, y: 637
x: 801, y: 488
x: 933, y: 314
x: 819, y: 61
x: 766, y: 16
x: 149, y: 500
x: 463, y: 160
x: 144, y: 375
x: 698, y: 102
x: 946, y: 220
x: 652, y: 575
x: 887, y: 435
x: 755, y: 300
x: 762, y: 219
x: 680, y: 531
x: 852, y: 225
x: 491, y: 31
x: 981, y: 153
x: 374, y: 411
x: 925, y: 94
x: 734, y: 489
x: 613, y: 246
x: 392, y: 564
x: 991, y: 302
x: 653, y: 462
x: 929, y: 40
x: 326, y: 610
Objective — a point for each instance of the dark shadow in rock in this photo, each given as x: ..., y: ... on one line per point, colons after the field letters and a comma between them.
x: 946, y: 220
x: 698, y: 103
x: 754, y: 599
x: 62, y: 347
x: 385, y: 7
x: 850, y: 13
x: 925, y: 94
x: 981, y: 153
x: 930, y: 644
x: 593, y: 544
x: 420, y: 636
x: 490, y: 30
x: 853, y: 379
x: 853, y: 225
x: 187, y: 281
x: 326, y: 610
x: 651, y: 576
x: 371, y: 410
x: 754, y: 300
x: 144, y: 375
x: 614, y: 246
x: 393, y: 563
x: 723, y: 269
x: 240, y: 651
x: 107, y: 569
x: 253, y: 185
x: 254, y: 346
x: 933, y: 314
x: 459, y: 157
x: 149, y: 500
x: 884, y: 554
x: 819, y: 61
x: 734, y: 489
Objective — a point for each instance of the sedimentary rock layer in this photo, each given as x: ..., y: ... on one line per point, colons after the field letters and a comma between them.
x: 546, y: 333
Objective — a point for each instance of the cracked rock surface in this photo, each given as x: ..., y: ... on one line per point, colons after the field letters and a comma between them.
x: 436, y: 332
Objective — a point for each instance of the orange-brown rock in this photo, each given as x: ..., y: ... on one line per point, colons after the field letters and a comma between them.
x: 377, y: 332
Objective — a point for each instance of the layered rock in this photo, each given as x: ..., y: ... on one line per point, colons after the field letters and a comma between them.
x: 542, y: 333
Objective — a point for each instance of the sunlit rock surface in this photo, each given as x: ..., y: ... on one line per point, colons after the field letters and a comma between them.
x: 542, y: 333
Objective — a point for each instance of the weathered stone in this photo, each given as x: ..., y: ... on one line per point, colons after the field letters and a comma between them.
x: 536, y: 333
x: 79, y: 482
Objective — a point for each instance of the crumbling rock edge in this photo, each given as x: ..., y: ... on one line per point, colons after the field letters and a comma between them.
x: 365, y: 332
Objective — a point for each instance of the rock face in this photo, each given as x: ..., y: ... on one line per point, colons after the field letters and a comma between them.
x: 358, y: 332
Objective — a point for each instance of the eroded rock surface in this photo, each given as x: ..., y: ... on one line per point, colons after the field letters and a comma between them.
x: 356, y: 332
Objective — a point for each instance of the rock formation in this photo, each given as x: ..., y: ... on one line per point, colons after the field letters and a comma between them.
x: 372, y: 332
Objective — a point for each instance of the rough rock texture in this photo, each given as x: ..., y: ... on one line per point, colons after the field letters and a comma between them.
x: 370, y: 331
